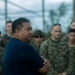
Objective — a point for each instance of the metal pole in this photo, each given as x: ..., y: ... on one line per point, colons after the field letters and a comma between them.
x: 5, y: 11
x: 73, y: 9
x: 43, y: 14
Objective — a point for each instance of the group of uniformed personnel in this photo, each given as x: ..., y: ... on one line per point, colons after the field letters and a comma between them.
x: 60, y: 52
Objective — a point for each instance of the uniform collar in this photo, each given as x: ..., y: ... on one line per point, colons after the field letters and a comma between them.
x: 55, y: 41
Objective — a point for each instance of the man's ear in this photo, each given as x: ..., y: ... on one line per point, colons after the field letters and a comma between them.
x: 17, y: 31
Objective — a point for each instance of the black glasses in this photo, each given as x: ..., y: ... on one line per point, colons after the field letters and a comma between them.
x: 38, y: 36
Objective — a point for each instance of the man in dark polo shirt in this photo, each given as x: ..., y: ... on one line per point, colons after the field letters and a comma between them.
x: 20, y: 58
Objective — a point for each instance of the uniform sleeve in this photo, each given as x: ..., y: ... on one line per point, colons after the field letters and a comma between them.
x: 1, y: 57
x: 70, y: 63
x: 1, y: 53
x: 43, y: 51
x: 69, y: 58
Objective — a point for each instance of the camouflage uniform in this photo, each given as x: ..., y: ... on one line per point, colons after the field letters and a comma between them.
x: 51, y: 51
x: 65, y: 38
x: 71, y: 63
x: 33, y: 42
x: 37, y: 48
x: 71, y: 66
x: 1, y: 56
x: 71, y: 59
x: 5, y: 40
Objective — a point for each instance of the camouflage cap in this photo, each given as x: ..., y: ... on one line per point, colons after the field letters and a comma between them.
x: 38, y: 33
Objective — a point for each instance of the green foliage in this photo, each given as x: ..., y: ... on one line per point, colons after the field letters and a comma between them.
x: 56, y: 15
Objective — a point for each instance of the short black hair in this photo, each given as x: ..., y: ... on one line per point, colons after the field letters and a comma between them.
x: 56, y: 24
x: 17, y: 24
x: 71, y: 30
x: 9, y: 22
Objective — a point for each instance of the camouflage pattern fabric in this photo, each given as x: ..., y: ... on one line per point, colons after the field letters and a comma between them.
x: 37, y: 48
x: 65, y: 38
x: 5, y: 40
x: 57, y: 56
x: 71, y: 59
x: 1, y: 56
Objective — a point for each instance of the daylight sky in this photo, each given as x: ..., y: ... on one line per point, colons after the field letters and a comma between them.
x: 32, y: 5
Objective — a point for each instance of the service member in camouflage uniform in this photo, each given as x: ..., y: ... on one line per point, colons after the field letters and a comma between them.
x: 65, y: 38
x: 38, y: 37
x: 1, y: 56
x: 51, y: 50
x: 8, y: 34
x: 70, y: 46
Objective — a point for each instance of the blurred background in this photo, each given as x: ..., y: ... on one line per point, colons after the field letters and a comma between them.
x: 42, y: 13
